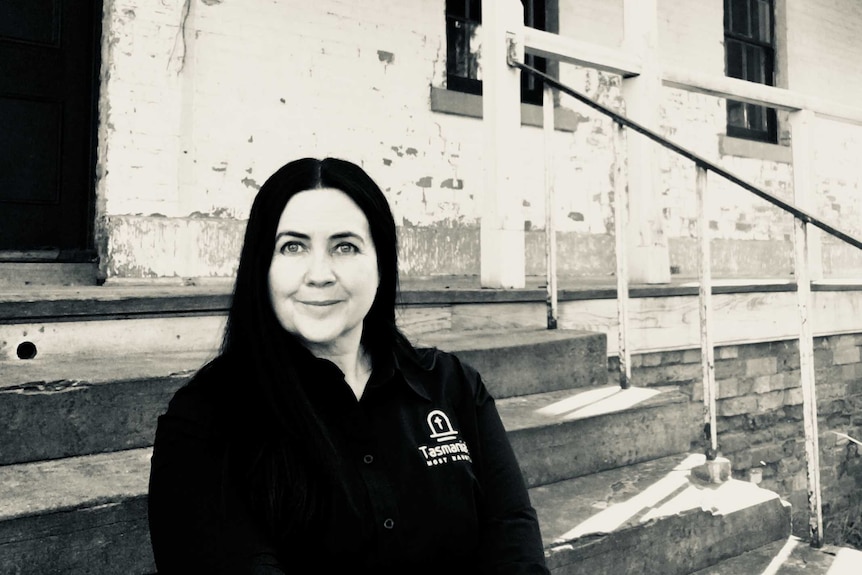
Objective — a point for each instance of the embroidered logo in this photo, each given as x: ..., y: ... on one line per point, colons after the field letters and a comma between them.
x: 450, y: 447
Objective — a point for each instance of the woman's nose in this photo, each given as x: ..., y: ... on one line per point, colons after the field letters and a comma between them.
x: 319, y: 270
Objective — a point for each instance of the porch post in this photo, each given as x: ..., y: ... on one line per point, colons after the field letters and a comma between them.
x: 648, y: 252
x: 502, y: 223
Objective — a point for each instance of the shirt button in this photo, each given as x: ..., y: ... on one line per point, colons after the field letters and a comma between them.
x: 368, y: 459
x: 389, y: 524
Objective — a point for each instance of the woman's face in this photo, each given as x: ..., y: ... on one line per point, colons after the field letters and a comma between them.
x: 323, y: 276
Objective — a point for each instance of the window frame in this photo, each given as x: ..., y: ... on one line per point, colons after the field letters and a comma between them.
x: 535, y: 12
x: 767, y: 49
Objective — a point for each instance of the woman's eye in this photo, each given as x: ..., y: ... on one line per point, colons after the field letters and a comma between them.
x: 346, y: 248
x: 291, y: 248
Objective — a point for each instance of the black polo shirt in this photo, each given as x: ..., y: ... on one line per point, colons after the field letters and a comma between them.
x: 431, y: 483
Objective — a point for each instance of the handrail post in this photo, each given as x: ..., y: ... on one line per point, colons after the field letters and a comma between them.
x: 621, y: 213
x: 806, y: 369
x: 710, y: 393
x: 801, y: 123
x: 550, y: 221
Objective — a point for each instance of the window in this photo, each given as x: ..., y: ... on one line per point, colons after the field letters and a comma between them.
x: 750, y: 55
x: 463, y: 46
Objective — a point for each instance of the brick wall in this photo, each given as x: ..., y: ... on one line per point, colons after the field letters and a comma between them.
x: 759, y: 414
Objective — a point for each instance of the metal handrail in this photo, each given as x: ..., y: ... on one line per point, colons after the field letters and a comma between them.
x: 700, y: 161
x: 801, y: 249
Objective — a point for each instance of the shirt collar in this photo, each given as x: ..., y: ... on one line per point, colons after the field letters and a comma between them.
x: 416, y: 369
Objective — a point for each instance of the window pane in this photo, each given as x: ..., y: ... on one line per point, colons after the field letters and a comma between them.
x: 739, y: 17
x: 463, y: 49
x: 764, y: 21
x: 736, y: 114
x: 534, y: 13
x: 755, y: 64
x: 756, y: 117
x: 735, y: 66
x: 474, y: 11
x: 457, y: 8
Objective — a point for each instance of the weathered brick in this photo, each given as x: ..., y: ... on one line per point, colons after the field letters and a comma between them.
x: 767, y: 453
x: 787, y: 430
x: 734, y: 441
x: 651, y: 359
x: 727, y: 352
x: 762, y: 383
x: 846, y: 354
x: 771, y: 400
x: 737, y: 405
x: 791, y: 465
x: 761, y: 366
x: 823, y: 358
x: 727, y: 368
x: 727, y: 387
x: 691, y: 356
x: 793, y: 396
x: 671, y: 357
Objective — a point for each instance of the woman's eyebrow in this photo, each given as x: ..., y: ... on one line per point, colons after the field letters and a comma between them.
x: 347, y: 235
x: 292, y: 234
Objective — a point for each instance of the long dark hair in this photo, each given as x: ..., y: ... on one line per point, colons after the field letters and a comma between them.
x: 292, y: 467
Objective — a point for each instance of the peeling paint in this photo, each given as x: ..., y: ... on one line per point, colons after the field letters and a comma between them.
x: 212, y: 2
x: 411, y: 152
x: 386, y: 57
x: 250, y: 183
x: 576, y: 216
x: 424, y: 182
x: 453, y: 183
x: 397, y: 150
x: 387, y: 162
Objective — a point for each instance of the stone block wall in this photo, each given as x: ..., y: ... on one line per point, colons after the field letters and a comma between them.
x: 759, y: 415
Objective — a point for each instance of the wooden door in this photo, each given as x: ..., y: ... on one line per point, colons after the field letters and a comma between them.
x: 48, y: 85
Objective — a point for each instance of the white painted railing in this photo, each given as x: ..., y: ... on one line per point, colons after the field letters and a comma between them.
x: 802, y: 109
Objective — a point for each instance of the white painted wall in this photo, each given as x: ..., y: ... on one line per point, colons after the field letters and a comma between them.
x: 198, y: 107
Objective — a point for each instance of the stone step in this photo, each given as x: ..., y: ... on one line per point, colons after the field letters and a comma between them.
x: 527, y: 361
x: 77, y: 405
x: 791, y: 556
x: 88, y: 515
x: 654, y: 517
x: 80, y: 515
x: 563, y: 434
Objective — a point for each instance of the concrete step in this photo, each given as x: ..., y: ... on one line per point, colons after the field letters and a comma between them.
x: 85, y: 405
x: 76, y: 405
x: 563, y: 434
x: 791, y: 556
x: 88, y: 515
x: 654, y: 517
x: 80, y: 515
x: 526, y: 361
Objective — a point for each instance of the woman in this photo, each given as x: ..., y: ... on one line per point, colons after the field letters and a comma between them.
x: 320, y: 439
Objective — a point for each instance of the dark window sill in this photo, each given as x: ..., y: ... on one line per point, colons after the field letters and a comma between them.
x: 728, y: 146
x: 470, y: 105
